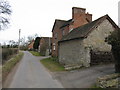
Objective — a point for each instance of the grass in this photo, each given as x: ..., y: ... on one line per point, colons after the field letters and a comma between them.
x: 52, y: 65
x: 7, y: 67
x: 94, y: 86
x: 35, y: 53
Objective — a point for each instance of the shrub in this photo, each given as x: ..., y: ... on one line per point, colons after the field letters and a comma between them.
x: 7, y: 67
x: 36, y: 43
x: 23, y: 48
x: 114, y: 40
x: 7, y: 53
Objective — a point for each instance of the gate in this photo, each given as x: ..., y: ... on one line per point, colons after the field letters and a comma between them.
x: 98, y: 57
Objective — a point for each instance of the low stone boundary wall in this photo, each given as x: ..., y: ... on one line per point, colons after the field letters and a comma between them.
x: 109, y: 81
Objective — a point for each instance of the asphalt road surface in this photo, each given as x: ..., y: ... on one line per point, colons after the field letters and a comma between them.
x: 32, y: 74
x: 83, y: 78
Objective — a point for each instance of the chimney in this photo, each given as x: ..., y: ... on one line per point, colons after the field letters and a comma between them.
x: 80, y: 17
x: 89, y: 17
x: 77, y: 11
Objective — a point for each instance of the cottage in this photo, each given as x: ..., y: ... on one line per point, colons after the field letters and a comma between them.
x: 45, y: 46
x: 30, y: 46
x: 63, y: 27
x: 75, y: 47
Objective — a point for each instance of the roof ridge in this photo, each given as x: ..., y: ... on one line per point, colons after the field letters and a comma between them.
x: 66, y: 23
x: 99, y: 20
x: 84, y: 30
x: 45, y: 37
x: 59, y: 20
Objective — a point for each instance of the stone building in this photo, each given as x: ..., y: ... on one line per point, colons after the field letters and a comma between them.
x: 75, y: 47
x: 45, y: 46
x: 63, y: 27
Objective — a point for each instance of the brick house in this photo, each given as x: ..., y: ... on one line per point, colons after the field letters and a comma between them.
x: 45, y: 45
x: 56, y: 35
x: 75, y: 47
x: 62, y: 27
x: 30, y: 46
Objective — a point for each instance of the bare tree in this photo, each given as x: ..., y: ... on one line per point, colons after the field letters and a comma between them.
x: 32, y: 37
x: 5, y: 11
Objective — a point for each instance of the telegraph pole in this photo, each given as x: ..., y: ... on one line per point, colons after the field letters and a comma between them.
x: 19, y: 40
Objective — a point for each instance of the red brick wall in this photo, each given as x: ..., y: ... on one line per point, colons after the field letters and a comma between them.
x: 30, y: 46
x: 65, y: 30
x: 55, y: 40
x: 79, y: 17
x: 89, y: 17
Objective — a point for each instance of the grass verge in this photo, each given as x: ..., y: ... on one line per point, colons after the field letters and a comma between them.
x: 94, y: 86
x: 7, y: 67
x: 35, y: 53
x: 52, y: 65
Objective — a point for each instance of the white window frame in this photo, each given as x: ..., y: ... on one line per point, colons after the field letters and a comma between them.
x: 54, y: 48
x: 70, y: 29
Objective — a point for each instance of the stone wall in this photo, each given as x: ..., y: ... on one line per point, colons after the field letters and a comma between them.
x: 109, y: 81
x: 76, y: 53
x: 73, y: 54
x: 96, y: 39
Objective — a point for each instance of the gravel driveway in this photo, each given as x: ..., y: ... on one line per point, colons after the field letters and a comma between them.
x: 83, y: 78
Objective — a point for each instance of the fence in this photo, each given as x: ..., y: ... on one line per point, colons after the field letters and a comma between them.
x: 98, y: 57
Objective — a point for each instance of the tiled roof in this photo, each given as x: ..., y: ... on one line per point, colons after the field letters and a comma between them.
x: 59, y: 23
x: 66, y: 23
x: 83, y: 31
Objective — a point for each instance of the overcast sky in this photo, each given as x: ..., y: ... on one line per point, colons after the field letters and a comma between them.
x: 38, y: 16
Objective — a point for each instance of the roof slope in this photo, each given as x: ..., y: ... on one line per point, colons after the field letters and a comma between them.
x: 58, y: 23
x: 83, y: 31
x: 66, y: 23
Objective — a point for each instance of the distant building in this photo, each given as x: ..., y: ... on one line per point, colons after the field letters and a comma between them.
x: 45, y: 46
x: 30, y: 46
x: 119, y: 13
